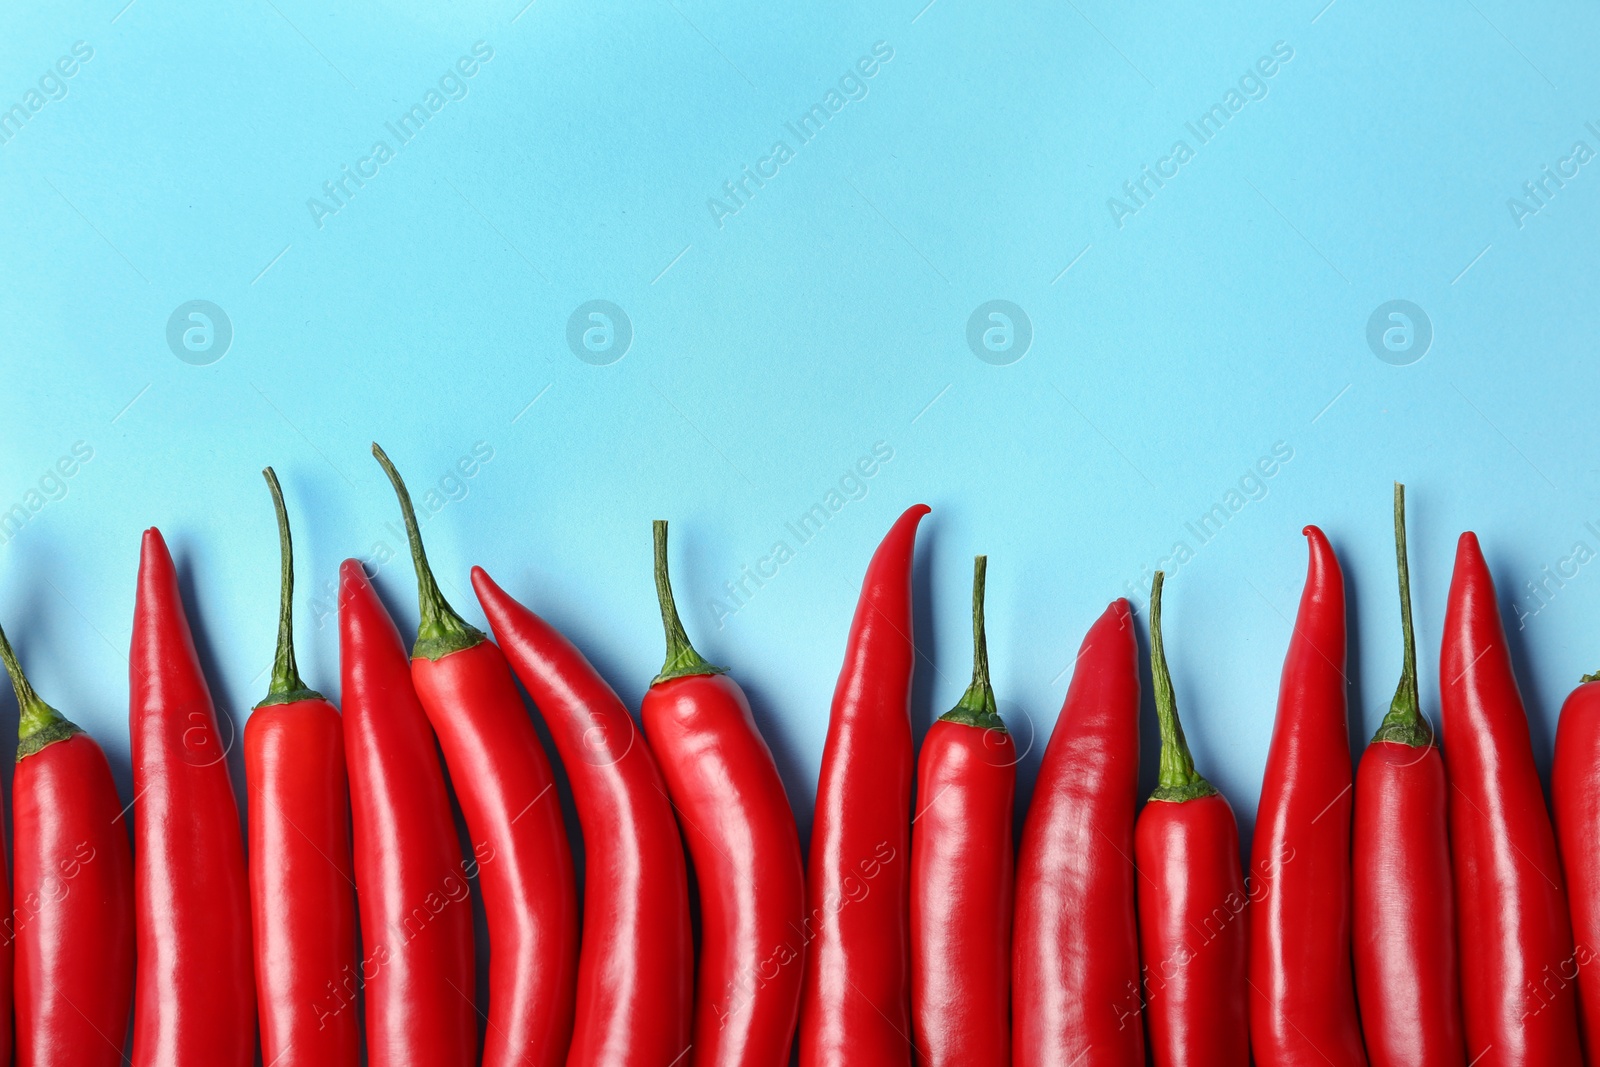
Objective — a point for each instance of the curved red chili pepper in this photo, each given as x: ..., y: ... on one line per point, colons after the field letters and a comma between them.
x: 636, y: 965
x: 194, y: 994
x: 1575, y: 792
x: 1404, y: 909
x: 74, y: 922
x: 743, y: 844
x: 961, y: 874
x: 1075, y: 946
x: 1192, y: 931
x: 1515, y: 935
x: 507, y: 793
x: 1302, y: 989
x: 300, y: 876
x: 416, y: 915
x: 856, y: 1006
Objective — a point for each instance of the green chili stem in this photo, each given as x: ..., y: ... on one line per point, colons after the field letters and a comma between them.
x: 39, y: 724
x: 977, y: 705
x: 286, y: 686
x: 1178, y: 781
x: 1404, y: 724
x: 440, y: 630
x: 682, y: 660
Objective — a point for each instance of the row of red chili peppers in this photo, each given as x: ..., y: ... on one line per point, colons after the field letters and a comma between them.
x: 1391, y: 918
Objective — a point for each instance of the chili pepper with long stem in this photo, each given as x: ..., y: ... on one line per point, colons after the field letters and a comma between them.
x: 1575, y: 796
x: 301, y: 888
x: 74, y: 882
x: 961, y: 874
x: 1303, y: 997
x: 636, y: 963
x: 856, y: 1006
x: 1192, y: 932
x: 1404, y: 907
x: 507, y: 793
x: 194, y: 992
x: 1075, y: 942
x: 1515, y: 935
x: 411, y: 880
x: 744, y: 847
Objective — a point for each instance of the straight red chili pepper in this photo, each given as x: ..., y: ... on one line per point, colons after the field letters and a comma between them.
x: 1404, y: 906
x: 744, y: 847
x: 1575, y: 793
x: 962, y: 867
x: 74, y: 924
x: 1515, y: 935
x: 1303, y: 996
x: 1192, y: 931
x: 416, y: 967
x: 300, y: 869
x: 856, y: 1006
x: 507, y: 793
x: 194, y: 999
x: 1075, y: 947
x: 636, y: 964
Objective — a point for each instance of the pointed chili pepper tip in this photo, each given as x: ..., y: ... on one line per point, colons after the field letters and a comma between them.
x: 39, y: 725
x: 1405, y: 724
x: 682, y: 660
x: 440, y: 630
x: 1178, y: 781
x: 286, y: 686
x: 977, y: 706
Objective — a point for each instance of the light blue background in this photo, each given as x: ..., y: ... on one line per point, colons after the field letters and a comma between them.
x: 771, y: 352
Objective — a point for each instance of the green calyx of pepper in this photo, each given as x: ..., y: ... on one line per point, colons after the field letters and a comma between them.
x: 1405, y: 724
x: 40, y: 725
x: 440, y: 630
x: 1178, y: 780
x: 682, y: 660
x: 286, y: 686
x: 977, y: 705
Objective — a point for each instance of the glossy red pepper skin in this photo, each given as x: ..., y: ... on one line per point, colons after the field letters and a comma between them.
x: 194, y: 1000
x: 1194, y: 934
x: 1302, y: 987
x: 504, y: 784
x: 1075, y: 949
x: 73, y: 926
x: 856, y: 1005
x: 1575, y: 793
x: 636, y: 965
x: 1404, y: 932
x: 961, y: 897
x: 962, y: 870
x: 411, y: 880
x: 744, y: 847
x: 1195, y: 963
x: 1515, y: 934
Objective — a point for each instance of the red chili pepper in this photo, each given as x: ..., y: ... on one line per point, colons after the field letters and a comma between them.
x: 856, y: 1007
x: 507, y: 793
x: 74, y: 924
x: 194, y: 994
x: 1303, y: 996
x: 636, y: 967
x: 1405, y: 919
x: 1575, y: 792
x: 743, y: 844
x: 1075, y: 945
x: 300, y: 876
x: 1515, y: 935
x: 416, y: 915
x: 1192, y: 931
x: 961, y: 874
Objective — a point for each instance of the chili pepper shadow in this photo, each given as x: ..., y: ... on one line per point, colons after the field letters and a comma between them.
x: 1356, y: 713
x: 925, y: 677
x: 1541, y: 725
